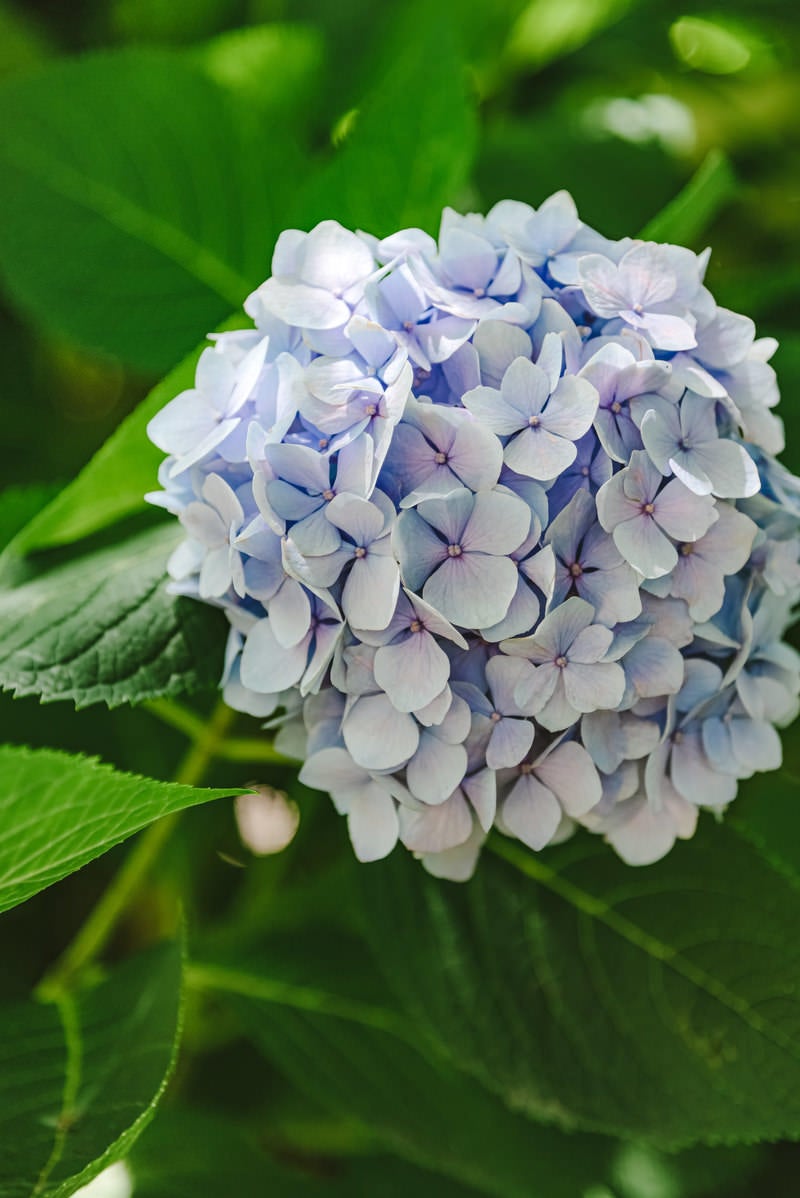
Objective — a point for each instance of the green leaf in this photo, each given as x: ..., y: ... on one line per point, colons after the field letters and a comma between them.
x: 113, y: 484
x: 412, y: 140
x: 160, y: 217
x: 81, y: 1077
x: 58, y: 812
x: 185, y: 1154
x: 685, y: 218
x: 19, y: 505
x: 368, y: 1062
x: 651, y: 1003
x: 550, y: 29
x: 103, y: 628
x: 767, y: 815
x: 274, y: 67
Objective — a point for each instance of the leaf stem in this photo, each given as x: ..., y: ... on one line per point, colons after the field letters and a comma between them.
x: 235, y: 748
x: 95, y: 932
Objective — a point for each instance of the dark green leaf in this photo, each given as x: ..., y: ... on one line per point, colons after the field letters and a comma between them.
x: 19, y: 505
x: 81, y: 1077
x: 412, y: 139
x: 57, y: 812
x: 113, y: 484
x: 767, y: 815
x: 368, y: 1062
x: 160, y: 217
x: 104, y: 629
x: 686, y: 217
x: 185, y: 1154
x: 661, y: 1003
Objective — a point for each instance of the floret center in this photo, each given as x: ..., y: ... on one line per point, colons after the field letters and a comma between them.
x: 454, y: 550
x: 360, y: 551
x: 416, y: 626
x: 327, y: 495
x: 534, y: 421
x: 440, y: 458
x: 576, y: 569
x: 648, y: 508
x: 561, y: 661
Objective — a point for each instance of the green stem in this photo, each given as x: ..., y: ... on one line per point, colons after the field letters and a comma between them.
x: 237, y: 748
x: 243, y: 748
x: 95, y: 932
x: 176, y: 716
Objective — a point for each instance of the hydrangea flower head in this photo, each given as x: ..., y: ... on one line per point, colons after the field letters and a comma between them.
x: 498, y: 530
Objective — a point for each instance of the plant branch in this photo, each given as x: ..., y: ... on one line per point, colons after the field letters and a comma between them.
x: 95, y: 932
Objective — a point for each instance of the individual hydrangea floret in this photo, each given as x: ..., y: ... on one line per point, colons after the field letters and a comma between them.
x: 498, y: 529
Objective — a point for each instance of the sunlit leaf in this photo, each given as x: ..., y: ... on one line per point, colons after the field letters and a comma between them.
x: 160, y: 217
x: 411, y: 143
x: 57, y: 812
x: 687, y: 216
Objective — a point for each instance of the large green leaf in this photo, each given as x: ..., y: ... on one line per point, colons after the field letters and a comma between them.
x: 19, y: 505
x: 367, y: 1061
x: 274, y: 67
x: 158, y: 195
x: 80, y: 1077
x: 103, y: 628
x: 57, y: 812
x: 687, y: 216
x: 413, y: 137
x: 662, y: 1003
x: 767, y: 815
x: 185, y: 1154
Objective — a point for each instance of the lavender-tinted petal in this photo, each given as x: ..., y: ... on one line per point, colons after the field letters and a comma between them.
x: 538, y: 453
x: 509, y: 742
x: 436, y: 769
x: 569, y: 772
x: 472, y: 590
x: 373, y: 824
x: 531, y: 812
x: 498, y: 524
x: 644, y: 546
x: 438, y: 828
x: 413, y: 671
x: 267, y: 667
x: 594, y: 687
x: 378, y: 736
x: 370, y: 592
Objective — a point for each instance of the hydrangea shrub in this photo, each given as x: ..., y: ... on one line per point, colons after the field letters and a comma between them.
x: 499, y: 530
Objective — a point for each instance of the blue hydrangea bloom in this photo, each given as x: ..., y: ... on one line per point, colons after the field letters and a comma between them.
x: 499, y: 530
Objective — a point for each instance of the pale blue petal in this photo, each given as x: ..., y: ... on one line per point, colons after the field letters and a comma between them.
x: 266, y: 666
x: 472, y: 590
x: 510, y: 741
x: 373, y: 824
x: 413, y: 671
x: 378, y: 736
x: 438, y: 828
x: 531, y: 812
x: 436, y: 769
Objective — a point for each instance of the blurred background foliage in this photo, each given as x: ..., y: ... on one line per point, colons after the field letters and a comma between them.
x: 617, y: 100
